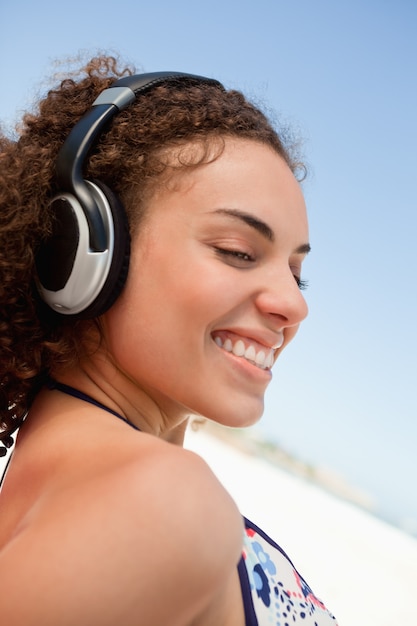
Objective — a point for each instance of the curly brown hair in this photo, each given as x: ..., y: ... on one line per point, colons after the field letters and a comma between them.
x: 130, y: 158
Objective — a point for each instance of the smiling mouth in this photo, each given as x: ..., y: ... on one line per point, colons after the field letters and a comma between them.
x: 261, y: 357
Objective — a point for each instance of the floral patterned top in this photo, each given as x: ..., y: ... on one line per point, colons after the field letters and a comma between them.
x: 274, y: 593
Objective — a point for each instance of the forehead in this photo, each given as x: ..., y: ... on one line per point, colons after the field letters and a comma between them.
x: 238, y: 174
x: 213, y: 155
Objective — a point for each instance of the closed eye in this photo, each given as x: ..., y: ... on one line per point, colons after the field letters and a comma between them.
x: 239, y: 255
x: 240, y: 258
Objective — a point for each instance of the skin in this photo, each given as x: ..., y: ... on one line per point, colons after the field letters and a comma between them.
x: 218, y: 256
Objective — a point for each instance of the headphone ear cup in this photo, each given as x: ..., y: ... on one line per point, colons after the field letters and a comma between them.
x: 119, y: 266
x: 57, y: 256
x: 72, y: 279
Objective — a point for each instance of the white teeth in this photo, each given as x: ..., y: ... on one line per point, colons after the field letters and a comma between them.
x: 250, y: 354
x: 262, y: 359
x: 239, y: 348
x: 269, y: 360
x: 228, y: 346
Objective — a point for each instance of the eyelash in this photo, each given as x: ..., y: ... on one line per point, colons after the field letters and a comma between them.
x: 237, y: 254
x: 302, y: 284
x: 245, y: 257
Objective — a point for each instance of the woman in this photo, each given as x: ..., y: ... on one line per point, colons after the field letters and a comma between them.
x: 165, y: 288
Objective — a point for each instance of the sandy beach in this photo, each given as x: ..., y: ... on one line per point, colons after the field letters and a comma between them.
x: 363, y: 569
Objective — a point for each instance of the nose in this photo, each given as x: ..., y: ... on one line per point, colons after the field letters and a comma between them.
x: 282, y: 300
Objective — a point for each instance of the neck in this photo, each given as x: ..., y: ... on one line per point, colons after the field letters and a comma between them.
x: 107, y: 384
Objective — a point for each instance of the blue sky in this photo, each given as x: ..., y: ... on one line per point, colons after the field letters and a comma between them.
x: 343, y: 75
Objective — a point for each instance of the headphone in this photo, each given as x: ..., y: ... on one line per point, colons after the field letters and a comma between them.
x: 82, y: 267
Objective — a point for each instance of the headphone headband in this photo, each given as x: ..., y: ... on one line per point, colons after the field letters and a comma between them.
x: 71, y: 158
x: 83, y: 267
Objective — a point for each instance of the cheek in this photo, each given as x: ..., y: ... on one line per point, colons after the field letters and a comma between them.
x: 153, y: 323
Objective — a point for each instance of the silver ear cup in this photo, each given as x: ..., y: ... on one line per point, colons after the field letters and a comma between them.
x: 72, y: 290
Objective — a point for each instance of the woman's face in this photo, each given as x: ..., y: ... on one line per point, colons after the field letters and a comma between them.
x: 212, y: 296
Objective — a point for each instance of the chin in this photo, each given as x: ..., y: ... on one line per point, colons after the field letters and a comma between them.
x: 237, y: 419
x: 240, y: 413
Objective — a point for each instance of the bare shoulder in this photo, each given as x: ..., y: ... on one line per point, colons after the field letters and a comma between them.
x: 183, y: 508
x: 153, y: 534
x: 176, y: 485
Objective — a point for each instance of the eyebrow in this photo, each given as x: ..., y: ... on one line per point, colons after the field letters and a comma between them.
x: 251, y: 221
x: 262, y: 228
x: 305, y: 248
